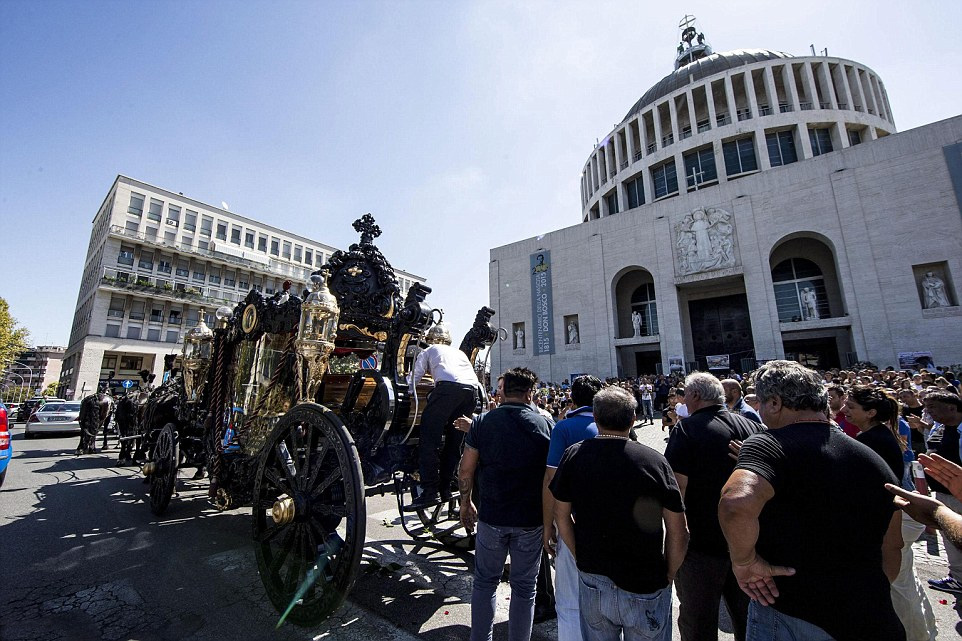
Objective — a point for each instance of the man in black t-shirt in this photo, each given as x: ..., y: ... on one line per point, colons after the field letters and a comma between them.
x: 946, y: 408
x: 506, y: 448
x: 622, y: 493
x: 699, y: 456
x: 813, y: 534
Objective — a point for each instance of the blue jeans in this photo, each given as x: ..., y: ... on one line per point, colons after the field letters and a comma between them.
x: 492, y: 546
x: 566, y: 592
x: 768, y: 624
x: 609, y: 613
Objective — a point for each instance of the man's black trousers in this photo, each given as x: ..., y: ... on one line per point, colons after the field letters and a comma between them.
x: 446, y: 402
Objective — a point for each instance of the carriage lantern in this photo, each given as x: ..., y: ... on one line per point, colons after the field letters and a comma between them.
x: 316, y: 333
x: 198, y: 345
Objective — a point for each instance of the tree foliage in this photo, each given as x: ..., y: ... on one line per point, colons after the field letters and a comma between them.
x: 51, y: 389
x: 13, y: 339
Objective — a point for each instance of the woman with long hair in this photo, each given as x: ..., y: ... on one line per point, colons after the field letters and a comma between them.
x: 876, y: 414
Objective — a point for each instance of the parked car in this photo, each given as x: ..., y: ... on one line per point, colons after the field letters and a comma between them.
x: 12, y: 409
x: 54, y: 416
x: 31, y: 405
x: 6, y: 447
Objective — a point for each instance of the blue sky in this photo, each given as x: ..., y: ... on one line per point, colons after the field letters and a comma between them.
x: 460, y: 126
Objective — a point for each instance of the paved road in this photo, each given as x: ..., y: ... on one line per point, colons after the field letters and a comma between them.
x: 83, y: 558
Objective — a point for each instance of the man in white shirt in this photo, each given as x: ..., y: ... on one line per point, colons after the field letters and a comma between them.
x: 455, y: 394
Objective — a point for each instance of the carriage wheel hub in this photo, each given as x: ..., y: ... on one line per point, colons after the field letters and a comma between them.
x: 283, y: 511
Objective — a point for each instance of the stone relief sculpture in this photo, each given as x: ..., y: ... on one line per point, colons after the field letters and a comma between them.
x: 573, y: 337
x: 705, y: 239
x: 519, y: 339
x: 933, y: 289
x: 636, y: 323
x: 809, y: 304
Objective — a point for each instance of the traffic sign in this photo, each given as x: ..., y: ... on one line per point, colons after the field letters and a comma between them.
x: 127, y: 384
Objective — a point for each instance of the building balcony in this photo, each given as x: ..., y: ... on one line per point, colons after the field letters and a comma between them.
x: 272, y: 266
x: 123, y: 281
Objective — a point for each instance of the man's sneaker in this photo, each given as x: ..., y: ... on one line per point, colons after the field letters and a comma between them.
x: 424, y: 501
x: 948, y: 584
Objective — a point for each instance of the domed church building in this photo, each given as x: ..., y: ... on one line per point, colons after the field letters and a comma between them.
x: 752, y: 205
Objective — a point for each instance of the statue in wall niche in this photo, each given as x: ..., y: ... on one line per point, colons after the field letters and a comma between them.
x: 933, y: 289
x: 573, y: 337
x: 809, y: 304
x: 519, y: 339
x: 705, y: 239
x: 636, y: 323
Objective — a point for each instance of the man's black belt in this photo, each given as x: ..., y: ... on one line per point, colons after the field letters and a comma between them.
x: 452, y: 383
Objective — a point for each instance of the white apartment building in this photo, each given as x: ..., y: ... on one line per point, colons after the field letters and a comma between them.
x: 156, y: 258
x: 37, y: 367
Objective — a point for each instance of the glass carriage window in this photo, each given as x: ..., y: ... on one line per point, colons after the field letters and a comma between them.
x: 739, y: 156
x: 700, y: 166
x: 664, y: 179
x: 643, y: 302
x: 795, y: 281
x: 821, y: 140
x: 781, y: 148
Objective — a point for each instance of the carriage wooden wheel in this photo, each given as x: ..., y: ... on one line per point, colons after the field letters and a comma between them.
x: 309, y: 514
x: 163, y: 478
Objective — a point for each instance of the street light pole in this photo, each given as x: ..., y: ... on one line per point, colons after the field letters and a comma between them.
x: 19, y: 400
x: 27, y: 367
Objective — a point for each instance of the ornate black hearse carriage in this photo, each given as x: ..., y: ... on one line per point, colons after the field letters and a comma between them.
x: 254, y: 403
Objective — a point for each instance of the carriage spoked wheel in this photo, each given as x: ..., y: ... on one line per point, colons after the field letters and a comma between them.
x: 441, y: 522
x: 309, y: 514
x: 163, y: 475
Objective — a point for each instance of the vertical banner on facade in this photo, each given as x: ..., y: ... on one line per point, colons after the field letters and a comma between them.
x: 541, y: 306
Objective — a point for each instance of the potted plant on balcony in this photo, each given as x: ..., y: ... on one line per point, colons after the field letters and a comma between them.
x: 168, y: 287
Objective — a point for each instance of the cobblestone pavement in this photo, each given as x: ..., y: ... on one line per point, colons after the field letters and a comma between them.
x: 83, y: 558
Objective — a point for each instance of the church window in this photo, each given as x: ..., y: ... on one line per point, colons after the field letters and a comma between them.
x: 664, y: 179
x: 739, y: 156
x: 781, y: 148
x: 821, y: 140
x: 700, y: 166
x: 799, y: 291
x: 643, y: 302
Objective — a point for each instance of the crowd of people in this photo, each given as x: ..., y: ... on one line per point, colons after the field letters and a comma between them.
x: 778, y: 496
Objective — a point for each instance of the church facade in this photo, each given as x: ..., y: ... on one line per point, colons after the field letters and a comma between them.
x: 752, y: 205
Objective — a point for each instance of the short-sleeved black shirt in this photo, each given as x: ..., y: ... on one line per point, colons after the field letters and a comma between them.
x: 618, y: 489
x: 827, y: 520
x: 698, y: 448
x: 881, y: 441
x: 512, y: 443
x: 946, y: 446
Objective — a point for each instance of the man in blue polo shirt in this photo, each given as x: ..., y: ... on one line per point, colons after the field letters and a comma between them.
x: 576, y: 427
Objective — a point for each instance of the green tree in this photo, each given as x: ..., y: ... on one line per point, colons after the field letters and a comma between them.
x: 13, y: 339
x: 51, y: 389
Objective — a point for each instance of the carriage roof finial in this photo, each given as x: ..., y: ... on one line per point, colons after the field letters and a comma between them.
x: 367, y: 228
